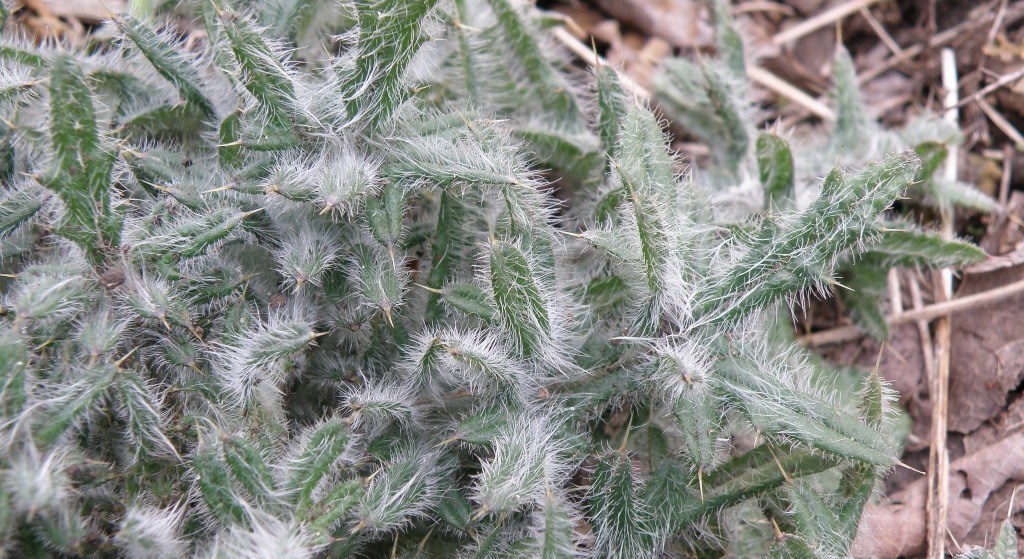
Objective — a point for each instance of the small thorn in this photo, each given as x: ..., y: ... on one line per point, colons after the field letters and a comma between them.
x: 700, y: 482
x: 316, y: 335
x: 232, y: 144
x: 251, y: 212
x: 387, y: 313
x: 430, y: 289
x: 121, y: 361
x: 901, y: 464
x: 446, y: 442
x: 220, y: 189
x: 837, y: 284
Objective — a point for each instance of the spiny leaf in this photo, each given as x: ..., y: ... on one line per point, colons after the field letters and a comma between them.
x: 646, y: 173
x: 548, y: 83
x: 800, y: 255
x: 775, y: 163
x: 851, y: 122
x: 269, y: 80
x: 390, y: 34
x: 909, y: 248
x: 18, y: 206
x: 75, y: 401
x: 470, y: 299
x: 556, y: 537
x: 81, y: 170
x: 613, y: 106
x: 334, y: 508
x: 519, y: 298
x: 454, y: 509
x: 249, y: 467
x: 400, y: 492
x: 730, y: 44
x: 141, y: 408
x: 792, y: 547
x: 168, y: 61
x: 622, y: 521
x: 783, y: 411
x: 445, y: 249
x: 384, y: 215
x: 14, y: 353
x: 322, y: 446
x: 866, y: 282
x: 290, y: 18
x: 214, y: 482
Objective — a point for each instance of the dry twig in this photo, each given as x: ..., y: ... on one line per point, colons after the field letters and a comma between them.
x: 930, y: 312
x: 824, y: 19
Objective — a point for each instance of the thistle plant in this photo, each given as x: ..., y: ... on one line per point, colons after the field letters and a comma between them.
x: 307, y: 287
x: 755, y: 172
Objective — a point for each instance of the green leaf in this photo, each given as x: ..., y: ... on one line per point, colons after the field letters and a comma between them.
x: 780, y: 261
x: 168, y: 61
x: 81, y: 170
x: 607, y: 294
x: 677, y: 500
x: 445, y: 249
x: 729, y: 42
x: 866, y: 283
x: 775, y: 164
x: 728, y: 109
x: 390, y: 34
x: 454, y: 509
x: 18, y: 206
x: 624, y: 525
x: 519, y: 298
x: 384, y: 215
x: 645, y: 170
x: 933, y: 155
x: 14, y: 353
x: 378, y: 277
x: 190, y: 238
x: 212, y: 477
x: 852, y: 124
x: 401, y: 491
x: 555, y: 528
x: 75, y: 401
x: 141, y: 408
x: 613, y: 105
x: 290, y: 18
x: 699, y: 419
x: 909, y: 248
x: 777, y: 409
x: 482, y: 427
x: 791, y: 546
x: 19, y: 53
x: 545, y: 81
x: 333, y: 508
x: 270, y: 81
x: 320, y: 448
x: 249, y: 467
x: 469, y: 298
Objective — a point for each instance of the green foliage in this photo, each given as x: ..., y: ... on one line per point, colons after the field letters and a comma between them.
x: 285, y: 296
